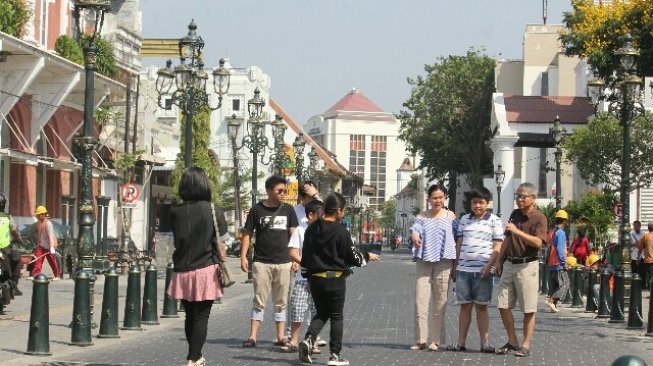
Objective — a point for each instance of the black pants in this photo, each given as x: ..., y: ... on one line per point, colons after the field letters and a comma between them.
x: 640, y: 269
x: 329, y: 298
x: 647, y: 268
x: 196, y: 326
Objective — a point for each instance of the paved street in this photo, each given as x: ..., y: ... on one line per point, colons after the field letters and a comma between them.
x: 378, y: 331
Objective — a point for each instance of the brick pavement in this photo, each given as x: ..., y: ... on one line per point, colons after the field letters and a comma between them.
x: 378, y: 331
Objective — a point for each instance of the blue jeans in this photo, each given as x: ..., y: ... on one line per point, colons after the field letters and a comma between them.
x: 471, y: 287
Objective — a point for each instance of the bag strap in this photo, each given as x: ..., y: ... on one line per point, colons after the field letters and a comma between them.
x: 217, y: 240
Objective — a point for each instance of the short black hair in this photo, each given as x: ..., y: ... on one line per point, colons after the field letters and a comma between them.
x: 482, y: 193
x: 437, y: 187
x: 314, y: 207
x: 274, y: 180
x: 333, y: 202
x: 302, y: 191
x: 637, y: 222
x: 194, y: 185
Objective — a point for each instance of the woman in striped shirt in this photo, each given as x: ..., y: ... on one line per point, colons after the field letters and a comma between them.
x: 434, y: 250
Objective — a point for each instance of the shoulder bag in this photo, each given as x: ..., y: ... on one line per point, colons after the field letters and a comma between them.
x: 224, y: 274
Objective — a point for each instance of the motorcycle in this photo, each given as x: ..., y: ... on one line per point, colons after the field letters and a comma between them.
x: 6, y: 285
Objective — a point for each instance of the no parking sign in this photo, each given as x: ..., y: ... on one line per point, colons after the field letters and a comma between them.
x: 129, y: 192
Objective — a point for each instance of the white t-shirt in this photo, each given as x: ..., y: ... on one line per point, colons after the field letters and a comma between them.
x: 297, y: 241
x: 300, y: 211
x: 634, y: 239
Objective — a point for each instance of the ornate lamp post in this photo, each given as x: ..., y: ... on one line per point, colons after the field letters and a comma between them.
x: 558, y: 133
x: 185, y: 85
x: 92, y: 13
x: 280, y: 157
x: 300, y: 172
x: 232, y: 131
x: 624, y: 102
x: 499, y: 176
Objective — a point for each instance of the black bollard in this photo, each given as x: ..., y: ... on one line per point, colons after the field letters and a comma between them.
x: 169, y: 304
x: 38, y: 341
x: 590, y: 305
x: 545, y: 279
x: 617, y: 308
x: 629, y: 360
x: 149, y: 315
x: 81, y: 324
x: 570, y: 289
x: 649, y: 325
x: 109, y: 321
x: 635, y: 320
x: 132, y: 320
x: 604, y: 295
x: 577, y: 295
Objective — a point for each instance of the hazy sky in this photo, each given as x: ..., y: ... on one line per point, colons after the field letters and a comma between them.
x: 316, y: 50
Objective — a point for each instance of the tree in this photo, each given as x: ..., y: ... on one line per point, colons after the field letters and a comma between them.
x: 387, y: 216
x: 596, y: 31
x: 593, y: 210
x: 105, y: 63
x: 597, y: 150
x: 447, y: 117
x: 14, y: 14
x: 201, y: 135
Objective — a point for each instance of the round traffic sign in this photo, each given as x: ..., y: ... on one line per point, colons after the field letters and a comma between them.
x: 129, y: 192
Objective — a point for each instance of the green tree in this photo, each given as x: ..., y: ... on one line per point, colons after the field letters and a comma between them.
x: 595, y: 31
x: 446, y: 119
x: 14, y: 14
x: 593, y: 210
x: 597, y: 151
x: 201, y: 136
x: 105, y: 63
x: 69, y: 49
x: 387, y: 217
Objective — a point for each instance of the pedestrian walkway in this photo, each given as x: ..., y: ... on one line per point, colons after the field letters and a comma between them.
x: 378, y: 331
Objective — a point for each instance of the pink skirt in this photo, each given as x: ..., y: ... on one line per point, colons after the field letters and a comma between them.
x: 198, y: 285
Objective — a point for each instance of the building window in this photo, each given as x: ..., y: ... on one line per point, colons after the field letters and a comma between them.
x: 378, y: 159
x: 357, y: 154
x: 44, y: 22
x: 235, y: 105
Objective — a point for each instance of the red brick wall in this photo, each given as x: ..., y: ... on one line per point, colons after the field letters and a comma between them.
x: 22, y: 190
x: 53, y: 193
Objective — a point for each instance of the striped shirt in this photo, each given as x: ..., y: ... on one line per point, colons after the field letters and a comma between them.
x: 437, y: 238
x: 478, y: 236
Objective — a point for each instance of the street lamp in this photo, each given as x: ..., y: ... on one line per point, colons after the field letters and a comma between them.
x: 185, y: 85
x: 623, y: 99
x: 499, y: 176
x: 280, y: 157
x: 302, y: 173
x: 558, y: 132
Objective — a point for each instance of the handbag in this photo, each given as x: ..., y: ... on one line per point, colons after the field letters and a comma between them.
x: 224, y: 274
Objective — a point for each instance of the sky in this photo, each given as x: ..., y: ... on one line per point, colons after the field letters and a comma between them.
x: 316, y: 51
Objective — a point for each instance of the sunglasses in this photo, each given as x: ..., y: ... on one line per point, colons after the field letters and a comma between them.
x: 281, y: 191
x: 521, y: 197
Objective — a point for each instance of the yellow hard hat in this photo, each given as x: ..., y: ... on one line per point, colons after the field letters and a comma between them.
x: 572, y: 261
x: 562, y: 214
x: 593, y: 258
x: 40, y: 210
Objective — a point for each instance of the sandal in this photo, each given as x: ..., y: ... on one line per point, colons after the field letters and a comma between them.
x: 250, y: 343
x: 418, y: 346
x: 282, y: 342
x: 456, y: 348
x: 507, y: 348
x: 523, y: 352
x: 289, y: 348
x: 487, y: 349
x: 433, y: 347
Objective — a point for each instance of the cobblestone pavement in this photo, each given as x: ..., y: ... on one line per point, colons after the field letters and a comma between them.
x: 378, y: 331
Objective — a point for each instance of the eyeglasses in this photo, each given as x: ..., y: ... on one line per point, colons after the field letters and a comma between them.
x: 281, y: 191
x: 521, y: 197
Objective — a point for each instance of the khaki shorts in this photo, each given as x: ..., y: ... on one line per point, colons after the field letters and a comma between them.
x: 519, y: 282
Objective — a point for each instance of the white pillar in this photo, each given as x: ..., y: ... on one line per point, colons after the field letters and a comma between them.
x: 504, y: 154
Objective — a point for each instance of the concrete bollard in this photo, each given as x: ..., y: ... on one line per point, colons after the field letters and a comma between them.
x: 590, y: 305
x: 577, y: 295
x: 132, y: 320
x: 617, y: 308
x: 649, y: 324
x: 635, y: 320
x: 169, y: 304
x: 109, y: 321
x: 38, y: 340
x: 604, y: 295
x: 570, y: 290
x: 149, y: 315
x: 81, y: 324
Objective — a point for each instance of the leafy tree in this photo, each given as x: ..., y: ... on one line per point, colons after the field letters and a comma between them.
x: 447, y: 117
x: 387, y: 216
x: 593, y: 210
x: 597, y: 150
x: 69, y: 49
x: 595, y: 31
x: 14, y: 14
x: 201, y: 135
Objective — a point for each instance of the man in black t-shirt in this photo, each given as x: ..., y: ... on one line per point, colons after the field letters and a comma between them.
x: 271, y: 222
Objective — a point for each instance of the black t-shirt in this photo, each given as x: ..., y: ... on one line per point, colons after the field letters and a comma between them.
x: 271, y: 236
x: 328, y: 247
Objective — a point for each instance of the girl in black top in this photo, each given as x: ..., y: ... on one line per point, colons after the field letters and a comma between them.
x: 327, y: 255
x: 195, y: 280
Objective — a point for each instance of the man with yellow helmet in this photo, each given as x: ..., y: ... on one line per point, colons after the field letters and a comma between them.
x: 46, y: 242
x: 557, y: 262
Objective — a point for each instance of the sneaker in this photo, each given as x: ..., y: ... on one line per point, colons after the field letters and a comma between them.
x: 320, y: 342
x: 305, y: 348
x: 336, y: 360
x: 56, y: 278
x: 200, y: 362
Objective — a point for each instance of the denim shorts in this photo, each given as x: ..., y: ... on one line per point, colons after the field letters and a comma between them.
x: 470, y: 287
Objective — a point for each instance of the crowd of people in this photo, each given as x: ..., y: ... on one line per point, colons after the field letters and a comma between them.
x: 304, y: 254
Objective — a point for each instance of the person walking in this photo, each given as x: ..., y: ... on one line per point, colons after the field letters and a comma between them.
x: 557, y: 263
x: 580, y: 247
x: 645, y: 251
x: 46, y: 244
x: 636, y: 266
x: 195, y: 259
x: 9, y: 232
x: 478, y: 242
x: 525, y: 236
x: 434, y: 250
x: 327, y: 255
x: 272, y: 222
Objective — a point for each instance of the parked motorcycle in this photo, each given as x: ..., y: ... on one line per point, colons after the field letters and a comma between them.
x: 6, y: 286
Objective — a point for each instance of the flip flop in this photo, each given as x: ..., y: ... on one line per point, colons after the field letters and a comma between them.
x: 507, y: 348
x: 523, y: 352
x: 250, y: 343
x: 456, y: 348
